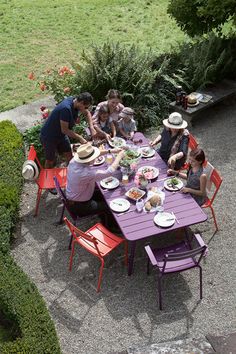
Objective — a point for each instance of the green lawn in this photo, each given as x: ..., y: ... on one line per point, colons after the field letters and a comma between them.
x: 38, y: 34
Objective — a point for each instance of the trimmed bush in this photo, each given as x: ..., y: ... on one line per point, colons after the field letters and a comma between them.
x: 20, y: 300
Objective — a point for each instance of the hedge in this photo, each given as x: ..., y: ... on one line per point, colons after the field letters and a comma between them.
x: 20, y: 301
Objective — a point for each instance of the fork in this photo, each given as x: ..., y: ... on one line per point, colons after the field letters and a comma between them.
x: 175, y: 217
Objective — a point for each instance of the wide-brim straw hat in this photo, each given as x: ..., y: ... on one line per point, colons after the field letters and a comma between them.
x: 126, y: 113
x: 175, y: 121
x: 86, y: 153
x: 30, y: 170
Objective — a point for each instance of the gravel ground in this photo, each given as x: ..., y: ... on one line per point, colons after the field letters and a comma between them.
x: 125, y: 313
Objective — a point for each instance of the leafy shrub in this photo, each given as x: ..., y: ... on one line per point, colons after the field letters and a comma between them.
x: 204, y: 62
x: 32, y: 137
x: 20, y: 301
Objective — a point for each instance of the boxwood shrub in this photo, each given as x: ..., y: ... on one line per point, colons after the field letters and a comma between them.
x: 20, y: 300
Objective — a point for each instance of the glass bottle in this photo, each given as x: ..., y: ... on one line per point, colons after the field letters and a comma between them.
x: 178, y: 95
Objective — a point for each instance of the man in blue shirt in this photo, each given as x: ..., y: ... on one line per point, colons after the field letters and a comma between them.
x: 57, y: 129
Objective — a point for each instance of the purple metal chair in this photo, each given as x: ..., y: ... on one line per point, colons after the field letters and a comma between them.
x: 176, y: 258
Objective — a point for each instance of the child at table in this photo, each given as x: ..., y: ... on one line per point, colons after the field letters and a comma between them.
x: 127, y: 124
x: 103, y: 124
x: 196, y: 178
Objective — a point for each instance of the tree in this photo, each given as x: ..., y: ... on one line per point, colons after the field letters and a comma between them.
x: 196, y: 17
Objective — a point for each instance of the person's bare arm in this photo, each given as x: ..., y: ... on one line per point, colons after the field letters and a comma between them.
x: 89, y: 120
x: 123, y: 133
x: 65, y: 130
x: 200, y: 192
x: 155, y: 141
x: 113, y: 129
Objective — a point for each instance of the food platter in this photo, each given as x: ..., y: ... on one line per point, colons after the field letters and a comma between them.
x: 99, y: 160
x: 131, y: 155
x: 147, y: 151
x: 150, y: 172
x: 119, y: 205
x: 173, y: 184
x: 135, y: 193
x: 117, y: 142
x: 164, y: 219
x: 109, y: 183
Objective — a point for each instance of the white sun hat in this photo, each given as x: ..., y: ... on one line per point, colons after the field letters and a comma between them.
x: 86, y: 153
x: 30, y: 170
x: 175, y: 121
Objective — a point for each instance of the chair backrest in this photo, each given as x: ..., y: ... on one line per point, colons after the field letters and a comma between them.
x: 192, y: 143
x: 32, y: 155
x: 63, y: 198
x: 216, y: 179
x: 196, y: 254
x: 85, y: 241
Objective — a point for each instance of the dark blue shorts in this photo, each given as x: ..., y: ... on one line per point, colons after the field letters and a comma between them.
x: 51, y: 147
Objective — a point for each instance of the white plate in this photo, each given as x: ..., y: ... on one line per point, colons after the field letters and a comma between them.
x: 176, y: 188
x: 135, y: 189
x: 147, y: 151
x: 193, y: 104
x: 119, y: 205
x: 154, y: 169
x: 164, y: 219
x: 98, y: 162
x: 109, y: 182
x: 117, y: 142
x: 158, y: 207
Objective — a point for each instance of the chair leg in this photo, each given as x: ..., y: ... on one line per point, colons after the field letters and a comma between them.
x: 214, y: 218
x: 37, y: 201
x: 159, y: 292
x: 200, y: 275
x: 100, y: 275
x: 72, y: 255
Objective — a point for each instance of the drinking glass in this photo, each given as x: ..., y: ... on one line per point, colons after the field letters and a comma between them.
x: 125, y: 179
x: 139, y: 205
x: 109, y: 159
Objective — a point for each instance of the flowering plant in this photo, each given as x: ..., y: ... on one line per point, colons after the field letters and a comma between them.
x: 45, y: 112
x: 140, y: 179
x: 61, y: 81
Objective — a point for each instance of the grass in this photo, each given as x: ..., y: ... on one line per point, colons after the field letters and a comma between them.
x: 38, y: 34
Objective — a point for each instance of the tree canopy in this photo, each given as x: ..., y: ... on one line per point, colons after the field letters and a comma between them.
x: 196, y: 17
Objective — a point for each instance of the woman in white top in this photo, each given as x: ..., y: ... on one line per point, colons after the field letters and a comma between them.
x: 113, y: 104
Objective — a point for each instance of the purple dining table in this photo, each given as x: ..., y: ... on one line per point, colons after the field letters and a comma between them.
x: 136, y: 226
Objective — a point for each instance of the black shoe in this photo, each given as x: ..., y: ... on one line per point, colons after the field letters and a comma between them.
x: 53, y: 191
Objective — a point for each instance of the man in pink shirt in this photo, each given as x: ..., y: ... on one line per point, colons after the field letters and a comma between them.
x: 83, y: 198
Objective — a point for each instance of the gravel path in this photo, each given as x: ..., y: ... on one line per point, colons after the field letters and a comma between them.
x: 125, y: 313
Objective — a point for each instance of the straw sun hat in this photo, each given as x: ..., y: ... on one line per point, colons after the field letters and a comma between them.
x: 30, y: 170
x: 86, y: 153
x: 175, y: 121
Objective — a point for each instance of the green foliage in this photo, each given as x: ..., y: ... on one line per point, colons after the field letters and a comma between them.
x: 206, y: 61
x: 32, y: 137
x: 197, y: 17
x: 20, y: 301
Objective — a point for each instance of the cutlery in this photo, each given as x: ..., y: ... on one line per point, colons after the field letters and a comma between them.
x: 120, y: 204
x: 175, y: 217
x: 125, y: 212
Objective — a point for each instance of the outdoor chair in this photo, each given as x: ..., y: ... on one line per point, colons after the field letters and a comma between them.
x: 215, y: 179
x: 45, y: 178
x: 75, y: 218
x: 176, y: 258
x: 192, y: 145
x: 97, y: 240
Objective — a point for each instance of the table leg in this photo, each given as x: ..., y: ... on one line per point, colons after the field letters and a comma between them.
x: 131, y: 257
x: 188, y: 236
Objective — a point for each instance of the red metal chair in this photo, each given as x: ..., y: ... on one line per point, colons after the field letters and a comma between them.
x: 192, y: 144
x: 215, y: 179
x: 97, y: 240
x: 176, y: 258
x: 45, y: 178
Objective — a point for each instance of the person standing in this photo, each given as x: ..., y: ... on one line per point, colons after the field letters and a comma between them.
x: 57, y: 129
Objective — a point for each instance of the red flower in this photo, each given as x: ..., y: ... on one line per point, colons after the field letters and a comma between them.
x: 42, y: 86
x: 45, y: 115
x: 42, y: 108
x: 31, y: 76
